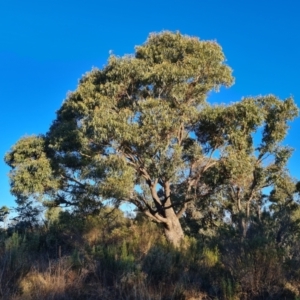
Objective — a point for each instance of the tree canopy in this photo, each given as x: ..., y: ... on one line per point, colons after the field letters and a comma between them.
x: 141, y: 131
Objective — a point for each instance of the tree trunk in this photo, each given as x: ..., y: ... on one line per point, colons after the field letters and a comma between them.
x: 173, y: 230
x: 165, y: 214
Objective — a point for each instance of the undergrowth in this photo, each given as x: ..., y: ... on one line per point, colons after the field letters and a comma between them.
x: 114, y: 257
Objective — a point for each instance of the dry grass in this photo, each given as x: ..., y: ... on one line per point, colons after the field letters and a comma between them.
x: 60, y: 282
x: 130, y: 260
x: 49, y: 284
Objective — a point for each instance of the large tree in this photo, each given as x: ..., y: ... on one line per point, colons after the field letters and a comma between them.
x: 140, y: 131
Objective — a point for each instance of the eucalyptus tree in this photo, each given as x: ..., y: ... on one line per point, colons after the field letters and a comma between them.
x: 140, y: 131
x: 285, y: 212
x: 252, y: 160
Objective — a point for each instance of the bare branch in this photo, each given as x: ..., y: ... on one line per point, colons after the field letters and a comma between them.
x: 73, y: 179
x: 154, y: 215
x: 182, y: 210
x: 152, y: 186
x: 82, y: 154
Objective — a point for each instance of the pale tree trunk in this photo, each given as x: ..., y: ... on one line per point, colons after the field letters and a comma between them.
x: 173, y: 230
x: 172, y: 227
x: 164, y: 212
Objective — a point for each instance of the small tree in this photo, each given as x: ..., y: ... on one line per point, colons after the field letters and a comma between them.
x: 27, y: 214
x: 248, y: 135
x: 139, y: 131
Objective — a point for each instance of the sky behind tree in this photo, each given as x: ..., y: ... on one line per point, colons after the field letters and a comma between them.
x: 46, y: 46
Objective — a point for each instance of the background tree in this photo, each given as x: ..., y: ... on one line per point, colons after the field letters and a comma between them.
x: 4, y: 212
x: 140, y: 131
x: 251, y: 161
x: 28, y: 214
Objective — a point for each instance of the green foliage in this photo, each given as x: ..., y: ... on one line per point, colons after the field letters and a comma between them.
x: 210, y: 257
x: 52, y: 214
x: 31, y: 169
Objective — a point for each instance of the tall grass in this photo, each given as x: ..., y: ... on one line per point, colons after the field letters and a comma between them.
x: 112, y: 257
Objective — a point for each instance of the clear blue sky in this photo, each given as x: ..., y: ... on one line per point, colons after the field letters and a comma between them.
x: 46, y: 46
